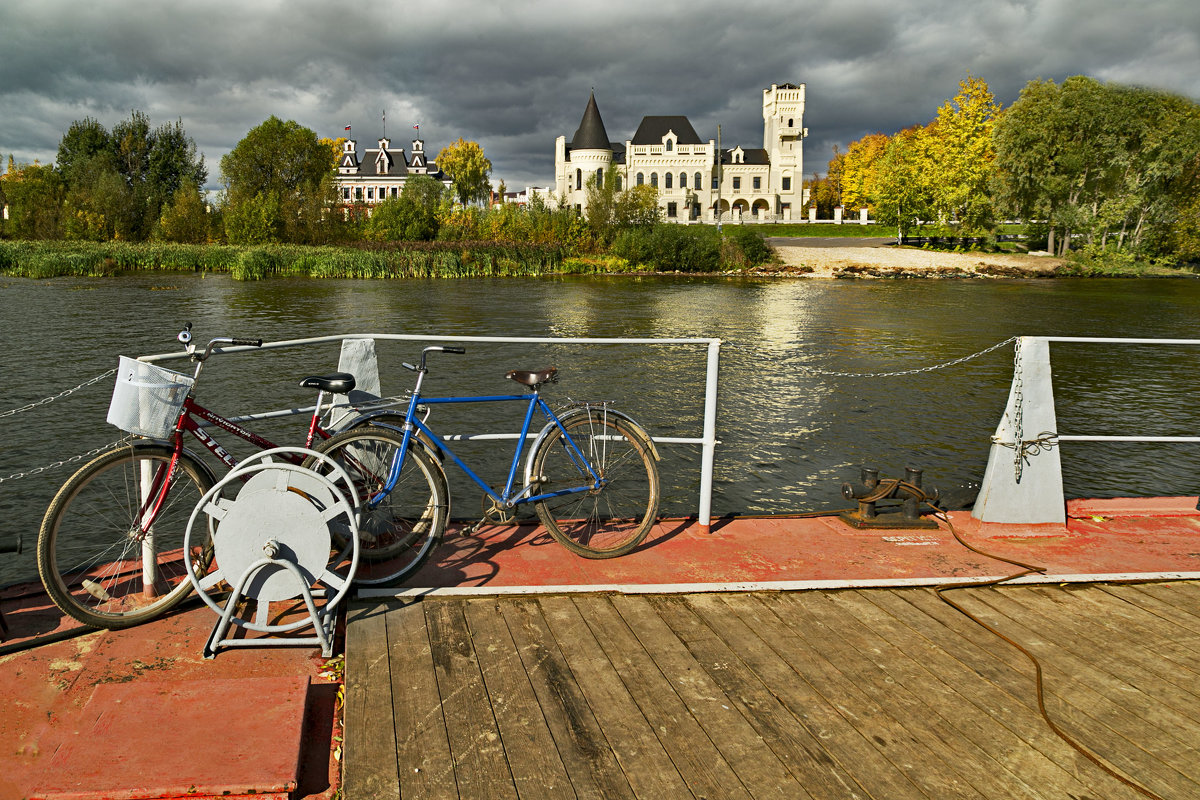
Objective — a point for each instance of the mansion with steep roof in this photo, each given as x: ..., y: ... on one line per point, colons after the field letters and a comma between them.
x: 666, y: 152
x: 381, y: 171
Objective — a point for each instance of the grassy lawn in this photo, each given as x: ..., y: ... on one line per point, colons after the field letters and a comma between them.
x: 823, y: 229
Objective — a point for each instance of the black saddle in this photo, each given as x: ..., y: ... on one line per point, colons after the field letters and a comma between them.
x: 338, y: 382
x: 548, y: 375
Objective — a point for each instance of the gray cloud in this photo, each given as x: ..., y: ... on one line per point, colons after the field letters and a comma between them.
x: 513, y: 76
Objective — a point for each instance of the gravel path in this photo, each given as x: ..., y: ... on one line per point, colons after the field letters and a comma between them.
x: 898, y: 262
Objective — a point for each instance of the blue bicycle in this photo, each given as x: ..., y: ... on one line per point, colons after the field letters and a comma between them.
x: 591, y: 475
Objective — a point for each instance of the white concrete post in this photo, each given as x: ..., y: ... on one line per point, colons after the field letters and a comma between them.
x: 1036, y: 496
x: 837, y: 215
x: 862, y: 216
x: 357, y: 358
x: 812, y: 213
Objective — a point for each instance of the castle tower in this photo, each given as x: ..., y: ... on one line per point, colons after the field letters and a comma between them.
x: 783, y: 139
x: 590, y: 154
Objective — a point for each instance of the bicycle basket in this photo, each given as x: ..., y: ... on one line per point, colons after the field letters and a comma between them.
x: 147, y: 399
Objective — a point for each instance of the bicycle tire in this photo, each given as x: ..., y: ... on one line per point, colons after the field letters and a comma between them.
x: 615, y: 518
x: 397, y: 535
x: 89, y: 553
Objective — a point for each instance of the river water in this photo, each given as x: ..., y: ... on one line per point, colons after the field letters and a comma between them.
x: 790, y: 434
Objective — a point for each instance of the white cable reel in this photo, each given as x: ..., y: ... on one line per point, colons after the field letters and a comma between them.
x: 271, y: 525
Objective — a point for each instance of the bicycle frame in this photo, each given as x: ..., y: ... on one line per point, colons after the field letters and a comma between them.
x: 511, y: 495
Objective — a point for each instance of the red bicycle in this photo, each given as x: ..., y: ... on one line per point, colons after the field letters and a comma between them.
x: 110, y: 549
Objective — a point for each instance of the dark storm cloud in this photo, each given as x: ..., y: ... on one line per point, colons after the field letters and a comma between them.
x: 513, y: 76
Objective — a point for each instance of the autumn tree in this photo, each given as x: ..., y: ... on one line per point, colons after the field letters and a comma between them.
x: 859, y: 165
x: 962, y: 156
x: 34, y: 194
x: 465, y: 162
x: 902, y: 193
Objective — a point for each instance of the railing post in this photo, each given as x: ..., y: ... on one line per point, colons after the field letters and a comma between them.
x: 1034, y: 493
x: 358, y: 358
x: 709, y: 445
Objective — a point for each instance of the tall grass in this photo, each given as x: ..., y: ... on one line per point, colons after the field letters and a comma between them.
x: 394, y: 260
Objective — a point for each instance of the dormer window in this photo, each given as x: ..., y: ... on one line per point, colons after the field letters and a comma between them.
x: 670, y: 145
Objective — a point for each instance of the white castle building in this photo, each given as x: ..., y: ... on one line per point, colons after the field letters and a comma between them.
x: 746, y: 183
x: 382, y: 171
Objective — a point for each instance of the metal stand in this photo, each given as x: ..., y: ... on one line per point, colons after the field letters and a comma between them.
x: 270, y: 526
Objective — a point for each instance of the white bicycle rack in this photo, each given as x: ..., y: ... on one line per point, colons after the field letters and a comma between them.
x: 271, y: 525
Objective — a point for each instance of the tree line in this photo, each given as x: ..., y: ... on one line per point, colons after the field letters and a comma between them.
x: 1084, y: 164
x: 141, y: 183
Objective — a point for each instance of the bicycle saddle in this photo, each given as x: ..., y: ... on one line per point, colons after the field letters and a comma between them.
x: 548, y: 375
x: 338, y: 382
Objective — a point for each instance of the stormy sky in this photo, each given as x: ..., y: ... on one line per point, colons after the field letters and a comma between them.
x: 514, y: 75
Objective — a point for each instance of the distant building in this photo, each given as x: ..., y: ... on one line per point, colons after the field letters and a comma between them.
x: 757, y: 184
x: 382, y: 171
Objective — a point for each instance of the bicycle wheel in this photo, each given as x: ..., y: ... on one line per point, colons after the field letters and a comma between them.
x: 400, y: 531
x: 615, y: 518
x: 98, y: 561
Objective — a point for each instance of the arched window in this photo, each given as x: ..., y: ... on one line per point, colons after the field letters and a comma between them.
x: 670, y: 147
x: 697, y: 181
x: 790, y: 123
x: 683, y: 180
x: 619, y: 187
x: 600, y: 177
x: 667, y: 181
x: 578, y: 179
x: 654, y: 179
x: 640, y: 179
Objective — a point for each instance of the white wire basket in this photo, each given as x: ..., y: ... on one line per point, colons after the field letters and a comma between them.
x: 147, y: 399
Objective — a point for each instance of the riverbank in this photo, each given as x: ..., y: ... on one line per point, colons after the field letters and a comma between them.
x: 913, y: 262
x: 907, y: 262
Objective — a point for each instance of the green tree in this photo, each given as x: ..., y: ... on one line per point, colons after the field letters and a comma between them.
x: 34, y: 194
x: 465, y: 162
x: 185, y: 218
x: 279, y: 170
x: 637, y: 207
x: 903, y: 194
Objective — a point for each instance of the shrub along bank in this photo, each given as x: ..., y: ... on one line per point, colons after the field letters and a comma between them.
x: 660, y: 248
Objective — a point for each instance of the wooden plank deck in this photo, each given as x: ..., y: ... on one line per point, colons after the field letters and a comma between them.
x: 884, y: 694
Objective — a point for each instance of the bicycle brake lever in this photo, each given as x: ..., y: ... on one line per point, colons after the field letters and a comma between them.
x: 408, y: 366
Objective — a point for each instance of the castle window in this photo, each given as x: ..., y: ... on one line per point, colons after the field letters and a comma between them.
x: 715, y: 179
x: 654, y: 179
x: 640, y: 179
x: 683, y: 180
x: 672, y: 210
x: 670, y: 145
x: 737, y: 183
x: 791, y: 123
x: 786, y: 184
x: 696, y: 180
x: 758, y: 183
x: 600, y: 177
x: 667, y: 181
x: 578, y: 179
x: 619, y: 187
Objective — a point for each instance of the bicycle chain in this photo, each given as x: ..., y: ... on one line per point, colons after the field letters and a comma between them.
x: 60, y: 395
x: 64, y: 462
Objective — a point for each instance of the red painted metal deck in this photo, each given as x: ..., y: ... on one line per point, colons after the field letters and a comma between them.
x: 58, y: 695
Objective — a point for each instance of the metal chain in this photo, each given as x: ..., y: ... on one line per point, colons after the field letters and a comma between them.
x: 1019, y: 413
x: 917, y: 371
x: 58, y: 396
x: 71, y: 460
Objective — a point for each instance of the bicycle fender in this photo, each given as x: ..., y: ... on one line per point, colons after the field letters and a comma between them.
x: 167, y: 449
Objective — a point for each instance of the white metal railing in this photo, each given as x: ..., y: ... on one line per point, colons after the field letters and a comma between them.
x: 360, y: 360
x: 1023, y: 479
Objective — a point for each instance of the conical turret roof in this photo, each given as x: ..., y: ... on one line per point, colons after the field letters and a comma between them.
x: 591, y: 134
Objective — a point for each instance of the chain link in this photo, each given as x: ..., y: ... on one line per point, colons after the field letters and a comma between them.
x: 917, y: 371
x: 1019, y: 413
x: 60, y: 395
x: 64, y: 462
